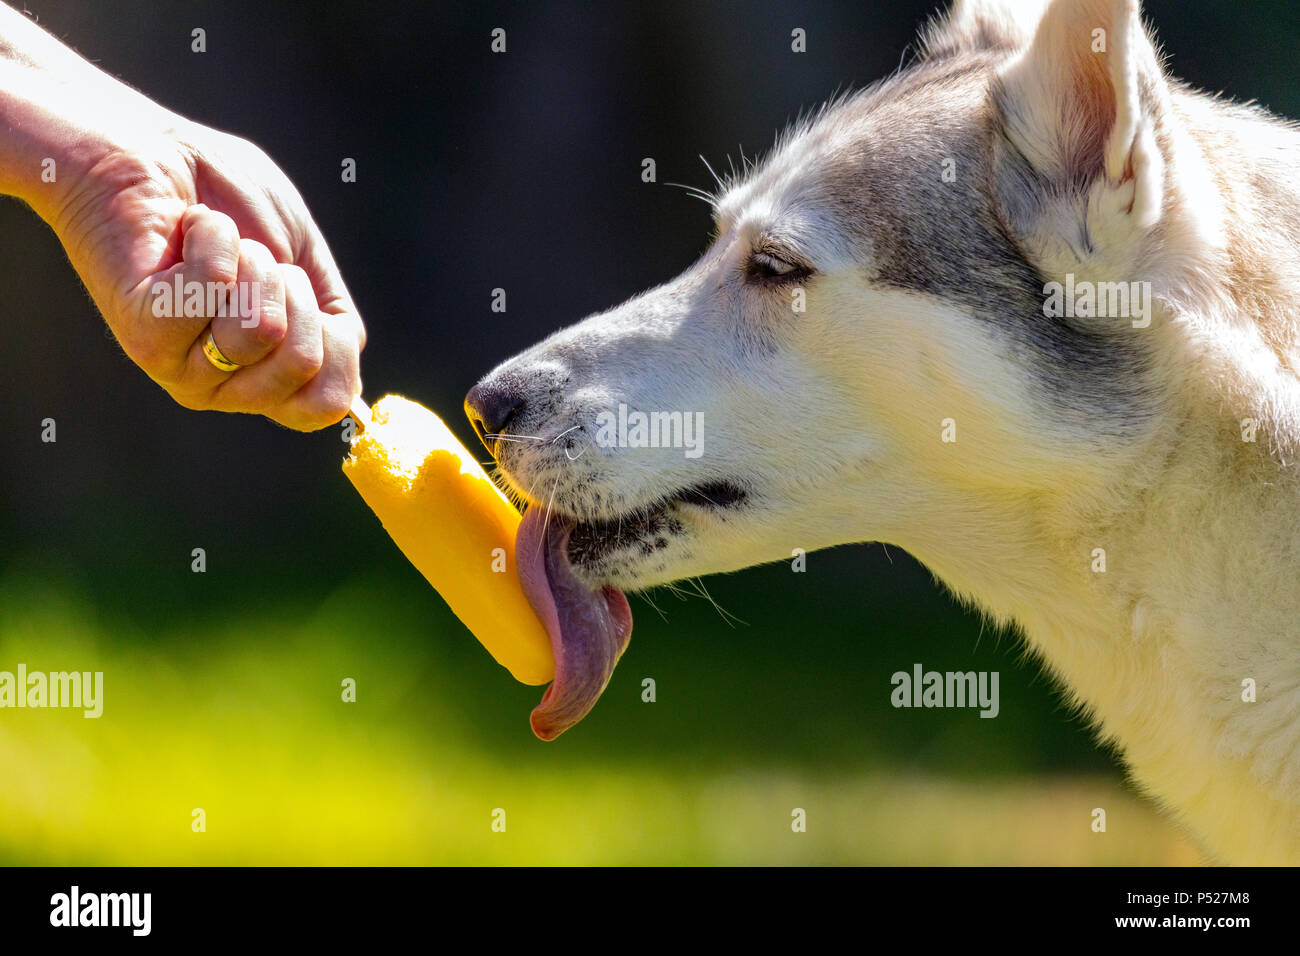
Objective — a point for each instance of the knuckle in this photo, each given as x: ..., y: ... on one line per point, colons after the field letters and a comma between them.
x: 334, y: 407
x: 209, y: 249
x: 223, y: 265
x: 271, y: 328
x: 304, y: 361
x: 223, y: 269
x: 222, y: 222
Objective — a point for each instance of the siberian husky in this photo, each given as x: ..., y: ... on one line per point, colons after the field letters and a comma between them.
x: 1029, y: 309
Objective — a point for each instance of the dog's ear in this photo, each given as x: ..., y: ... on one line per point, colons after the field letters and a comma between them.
x: 1082, y: 105
x: 973, y: 26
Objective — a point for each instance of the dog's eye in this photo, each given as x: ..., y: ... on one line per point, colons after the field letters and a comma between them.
x: 770, y: 268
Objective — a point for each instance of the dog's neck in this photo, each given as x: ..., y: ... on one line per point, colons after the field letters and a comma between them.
x: 1122, y: 592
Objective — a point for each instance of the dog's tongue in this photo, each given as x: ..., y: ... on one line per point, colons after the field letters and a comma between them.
x: 589, y: 629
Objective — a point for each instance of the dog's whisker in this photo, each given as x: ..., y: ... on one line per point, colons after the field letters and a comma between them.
x: 563, y: 433
x: 546, y: 524
x: 677, y: 592
x: 579, y: 454
x: 529, y: 496
x: 646, y: 597
x: 696, y: 193
x: 716, y: 178
x: 699, y: 494
x: 726, y: 615
x: 504, y: 437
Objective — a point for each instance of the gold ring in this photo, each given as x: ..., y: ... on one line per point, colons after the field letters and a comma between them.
x: 214, y: 356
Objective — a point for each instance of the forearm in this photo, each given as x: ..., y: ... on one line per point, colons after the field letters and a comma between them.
x: 59, y: 115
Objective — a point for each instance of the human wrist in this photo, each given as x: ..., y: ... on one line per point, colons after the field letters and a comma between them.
x: 60, y: 117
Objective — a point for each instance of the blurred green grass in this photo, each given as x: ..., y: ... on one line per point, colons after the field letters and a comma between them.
x: 244, y: 718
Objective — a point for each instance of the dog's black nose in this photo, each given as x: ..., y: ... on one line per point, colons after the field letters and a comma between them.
x: 491, y: 407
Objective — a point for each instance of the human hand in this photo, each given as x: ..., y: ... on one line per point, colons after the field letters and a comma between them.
x: 199, y: 206
x: 141, y: 198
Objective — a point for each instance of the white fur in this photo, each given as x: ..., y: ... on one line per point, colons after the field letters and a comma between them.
x: 833, y: 417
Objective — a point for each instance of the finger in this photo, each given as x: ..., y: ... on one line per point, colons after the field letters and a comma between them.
x: 197, y: 384
x: 209, y: 245
x: 270, y: 383
x: 174, y: 305
x: 255, y: 321
x: 327, y: 398
x: 326, y: 279
x: 331, y: 291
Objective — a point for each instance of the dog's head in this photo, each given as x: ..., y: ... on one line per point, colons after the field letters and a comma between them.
x: 863, y: 353
x: 934, y: 309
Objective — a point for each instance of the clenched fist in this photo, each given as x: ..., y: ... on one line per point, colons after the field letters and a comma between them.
x: 184, y: 237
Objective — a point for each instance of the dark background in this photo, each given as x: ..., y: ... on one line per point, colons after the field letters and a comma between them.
x: 519, y: 171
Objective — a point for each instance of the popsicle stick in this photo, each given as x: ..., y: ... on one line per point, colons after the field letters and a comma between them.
x: 360, y: 413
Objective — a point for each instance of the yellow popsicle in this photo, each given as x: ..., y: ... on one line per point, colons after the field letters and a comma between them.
x: 449, y: 519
